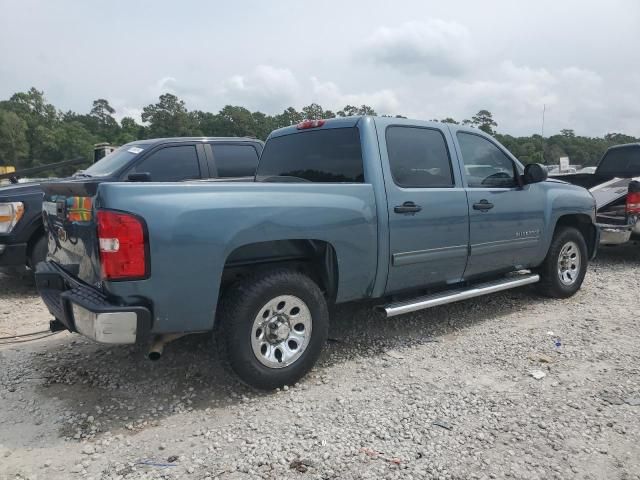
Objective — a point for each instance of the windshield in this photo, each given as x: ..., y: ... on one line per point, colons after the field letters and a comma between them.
x: 114, y: 161
x: 621, y: 162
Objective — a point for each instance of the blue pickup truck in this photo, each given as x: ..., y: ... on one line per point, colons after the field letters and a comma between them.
x: 413, y: 213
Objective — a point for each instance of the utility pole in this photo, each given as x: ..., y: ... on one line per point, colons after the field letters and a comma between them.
x: 544, y: 110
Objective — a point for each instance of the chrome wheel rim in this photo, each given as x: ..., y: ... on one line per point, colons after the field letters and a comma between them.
x: 569, y: 263
x: 281, y: 331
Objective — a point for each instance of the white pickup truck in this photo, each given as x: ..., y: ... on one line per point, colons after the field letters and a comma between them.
x: 616, y: 187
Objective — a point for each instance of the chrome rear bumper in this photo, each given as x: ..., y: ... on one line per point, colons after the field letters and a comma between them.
x: 615, y: 234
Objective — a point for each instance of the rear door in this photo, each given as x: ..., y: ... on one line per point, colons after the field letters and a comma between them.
x: 427, y: 206
x: 506, y: 218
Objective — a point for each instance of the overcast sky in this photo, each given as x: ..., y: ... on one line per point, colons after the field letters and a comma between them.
x: 421, y: 59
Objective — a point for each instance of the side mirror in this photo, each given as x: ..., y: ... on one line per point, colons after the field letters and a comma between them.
x: 534, y: 173
x: 139, y: 177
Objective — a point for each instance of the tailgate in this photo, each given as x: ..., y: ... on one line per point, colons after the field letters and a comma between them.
x: 68, y: 216
x: 608, y: 192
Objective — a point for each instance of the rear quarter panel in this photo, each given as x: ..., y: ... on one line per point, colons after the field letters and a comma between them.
x: 193, y: 227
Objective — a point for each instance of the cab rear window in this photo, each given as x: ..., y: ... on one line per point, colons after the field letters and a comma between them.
x: 322, y: 156
x: 621, y: 162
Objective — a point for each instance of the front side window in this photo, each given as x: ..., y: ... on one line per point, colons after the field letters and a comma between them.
x: 171, y: 164
x: 235, y: 160
x: 331, y: 155
x: 418, y: 157
x: 485, y: 165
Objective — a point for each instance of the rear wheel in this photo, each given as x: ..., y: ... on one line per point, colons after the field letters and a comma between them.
x: 565, y: 266
x: 273, y: 327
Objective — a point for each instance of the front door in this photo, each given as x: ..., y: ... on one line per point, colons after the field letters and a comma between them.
x: 505, y: 218
x: 427, y: 206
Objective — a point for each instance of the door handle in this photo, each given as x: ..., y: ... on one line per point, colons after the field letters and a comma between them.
x: 483, y: 205
x: 407, y: 207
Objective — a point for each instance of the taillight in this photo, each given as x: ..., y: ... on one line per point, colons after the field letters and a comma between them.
x: 123, y: 251
x: 633, y: 199
x: 304, y: 125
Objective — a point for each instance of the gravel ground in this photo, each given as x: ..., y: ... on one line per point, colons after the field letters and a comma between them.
x: 447, y: 393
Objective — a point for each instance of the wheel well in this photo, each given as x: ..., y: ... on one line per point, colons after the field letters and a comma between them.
x: 314, y: 258
x: 584, y: 224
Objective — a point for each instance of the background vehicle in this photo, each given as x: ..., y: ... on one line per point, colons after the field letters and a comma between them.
x: 22, y: 237
x: 615, y: 184
x: 341, y: 210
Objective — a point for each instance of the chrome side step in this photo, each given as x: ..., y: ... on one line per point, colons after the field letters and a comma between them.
x: 451, y: 296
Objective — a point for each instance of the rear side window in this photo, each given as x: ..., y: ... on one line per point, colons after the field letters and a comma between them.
x: 418, y: 157
x: 171, y: 164
x: 235, y: 160
x: 326, y: 156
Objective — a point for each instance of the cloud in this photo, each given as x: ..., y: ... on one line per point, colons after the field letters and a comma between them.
x: 329, y: 95
x: 271, y: 90
x: 574, y: 98
x: 164, y: 85
x: 436, y: 46
x: 266, y: 87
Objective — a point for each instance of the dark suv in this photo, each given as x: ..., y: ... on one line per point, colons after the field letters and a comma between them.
x: 22, y: 237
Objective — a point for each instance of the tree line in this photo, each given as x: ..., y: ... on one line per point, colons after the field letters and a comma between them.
x: 34, y: 132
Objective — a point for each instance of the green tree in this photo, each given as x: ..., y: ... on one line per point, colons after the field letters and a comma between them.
x: 289, y: 117
x: 316, y: 112
x: 351, y: 111
x: 13, y: 139
x: 567, y: 132
x: 484, y: 121
x: 168, y: 118
x: 73, y: 140
x: 449, y: 120
x: 618, y: 138
x: 107, y: 126
x: 40, y: 118
x: 129, y: 131
x: 237, y: 122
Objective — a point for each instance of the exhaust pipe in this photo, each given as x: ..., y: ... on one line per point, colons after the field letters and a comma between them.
x: 157, y: 347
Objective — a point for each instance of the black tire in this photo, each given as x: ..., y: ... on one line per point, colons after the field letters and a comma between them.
x: 38, y: 252
x: 551, y: 281
x: 239, y: 309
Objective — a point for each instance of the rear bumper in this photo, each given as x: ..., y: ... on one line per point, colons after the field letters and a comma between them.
x: 614, y: 234
x: 13, y: 254
x: 88, y: 311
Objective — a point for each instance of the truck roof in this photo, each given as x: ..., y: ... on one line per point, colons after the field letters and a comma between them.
x: 625, y: 145
x: 342, y: 122
x: 156, y: 141
x: 337, y: 122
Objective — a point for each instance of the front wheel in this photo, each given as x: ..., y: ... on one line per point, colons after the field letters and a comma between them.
x: 38, y: 252
x: 273, y: 327
x: 565, y: 266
